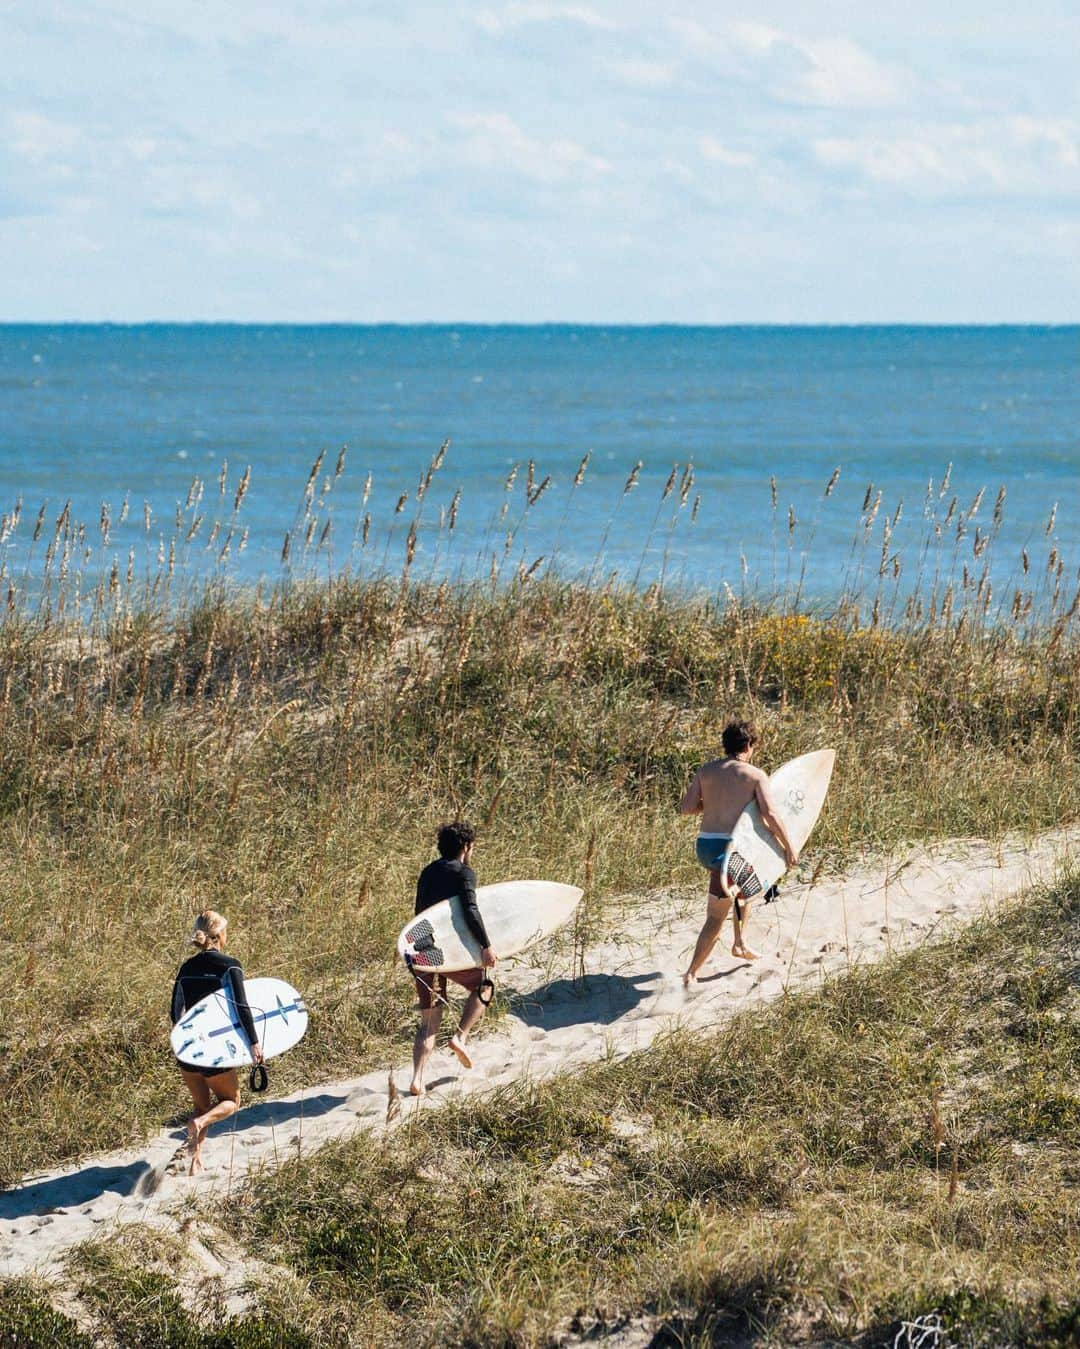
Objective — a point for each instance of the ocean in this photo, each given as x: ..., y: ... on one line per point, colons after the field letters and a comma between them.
x: 747, y: 425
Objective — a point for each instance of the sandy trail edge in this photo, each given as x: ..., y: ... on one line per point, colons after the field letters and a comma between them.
x: 632, y: 993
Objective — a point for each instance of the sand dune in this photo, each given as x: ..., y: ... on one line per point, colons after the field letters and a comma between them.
x: 632, y: 991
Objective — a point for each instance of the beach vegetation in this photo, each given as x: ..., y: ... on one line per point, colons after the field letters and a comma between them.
x: 859, y: 1163
x: 286, y: 753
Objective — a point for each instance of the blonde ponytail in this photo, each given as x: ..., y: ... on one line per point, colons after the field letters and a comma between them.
x: 209, y: 932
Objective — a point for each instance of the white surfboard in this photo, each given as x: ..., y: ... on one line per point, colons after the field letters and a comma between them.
x: 210, y: 1034
x: 755, y: 860
x: 515, y: 914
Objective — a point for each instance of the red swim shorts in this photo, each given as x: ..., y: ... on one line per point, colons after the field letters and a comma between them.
x: 430, y: 988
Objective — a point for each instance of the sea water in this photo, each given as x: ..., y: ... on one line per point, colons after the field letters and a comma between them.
x: 744, y: 427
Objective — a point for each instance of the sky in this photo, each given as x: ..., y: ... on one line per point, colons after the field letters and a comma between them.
x: 532, y: 160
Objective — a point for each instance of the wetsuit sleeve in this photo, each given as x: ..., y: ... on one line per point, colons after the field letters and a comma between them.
x: 177, y: 1006
x: 470, y: 908
x: 235, y: 977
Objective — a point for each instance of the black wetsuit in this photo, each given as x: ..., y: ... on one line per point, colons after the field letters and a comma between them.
x: 203, y: 974
x: 443, y: 879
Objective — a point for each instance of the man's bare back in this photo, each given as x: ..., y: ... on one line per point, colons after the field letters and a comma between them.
x: 721, y: 790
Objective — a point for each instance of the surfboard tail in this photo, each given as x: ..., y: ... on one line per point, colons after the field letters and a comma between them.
x: 739, y: 875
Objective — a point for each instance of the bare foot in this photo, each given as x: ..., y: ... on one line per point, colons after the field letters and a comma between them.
x: 194, y: 1145
x: 459, y: 1049
x: 416, y: 1089
x: 745, y: 953
x: 688, y: 979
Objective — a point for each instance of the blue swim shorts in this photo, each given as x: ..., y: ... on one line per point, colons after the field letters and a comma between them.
x: 711, y: 850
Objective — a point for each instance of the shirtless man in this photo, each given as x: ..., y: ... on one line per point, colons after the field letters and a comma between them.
x: 719, y: 792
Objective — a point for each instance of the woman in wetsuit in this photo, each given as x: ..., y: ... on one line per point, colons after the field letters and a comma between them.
x: 207, y: 972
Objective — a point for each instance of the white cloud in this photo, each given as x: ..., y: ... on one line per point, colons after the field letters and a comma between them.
x: 902, y: 160
x: 334, y: 120
x: 1056, y: 139
x: 842, y: 75
x: 641, y: 72
x: 495, y: 140
x: 1010, y: 156
x: 38, y: 138
x: 681, y: 172
x: 197, y: 189
x: 818, y: 72
x: 520, y: 14
x: 711, y: 148
x: 141, y: 147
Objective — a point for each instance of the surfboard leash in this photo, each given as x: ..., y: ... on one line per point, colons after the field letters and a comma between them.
x: 258, y: 1077
x: 487, y: 985
x: 410, y: 966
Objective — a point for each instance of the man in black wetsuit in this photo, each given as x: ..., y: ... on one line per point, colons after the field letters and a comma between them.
x: 449, y: 875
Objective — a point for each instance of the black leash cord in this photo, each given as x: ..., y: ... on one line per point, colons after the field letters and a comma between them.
x: 487, y: 986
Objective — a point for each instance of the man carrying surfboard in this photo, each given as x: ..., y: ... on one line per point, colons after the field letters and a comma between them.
x: 719, y: 792
x: 450, y: 876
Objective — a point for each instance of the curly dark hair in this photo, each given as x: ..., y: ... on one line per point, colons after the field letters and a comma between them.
x: 739, y: 736
x: 455, y: 837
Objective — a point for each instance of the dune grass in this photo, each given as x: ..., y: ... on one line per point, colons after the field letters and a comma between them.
x: 904, y: 1141
x: 900, y: 1146
x: 285, y: 755
x: 169, y: 742
x: 288, y: 760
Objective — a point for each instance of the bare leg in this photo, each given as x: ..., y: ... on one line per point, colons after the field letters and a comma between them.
x: 200, y: 1094
x: 226, y: 1087
x: 718, y: 909
x: 739, y: 947
x: 430, y: 1020
x: 470, y: 1015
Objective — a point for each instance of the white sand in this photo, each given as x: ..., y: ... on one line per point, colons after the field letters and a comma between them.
x: 632, y: 992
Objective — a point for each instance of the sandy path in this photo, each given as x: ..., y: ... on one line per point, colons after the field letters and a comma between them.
x: 632, y: 993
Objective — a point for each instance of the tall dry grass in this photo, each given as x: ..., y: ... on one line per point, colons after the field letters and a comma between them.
x: 889, y: 1159
x: 170, y: 739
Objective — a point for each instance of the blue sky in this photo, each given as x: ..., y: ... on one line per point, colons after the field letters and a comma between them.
x: 533, y: 160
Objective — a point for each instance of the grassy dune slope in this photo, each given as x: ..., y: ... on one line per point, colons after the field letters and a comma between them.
x: 898, y: 1146
x: 286, y: 760
x: 902, y: 1141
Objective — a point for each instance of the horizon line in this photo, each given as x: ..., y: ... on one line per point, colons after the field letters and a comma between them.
x: 540, y: 323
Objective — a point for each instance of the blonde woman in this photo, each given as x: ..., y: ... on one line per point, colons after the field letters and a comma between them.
x: 209, y: 970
